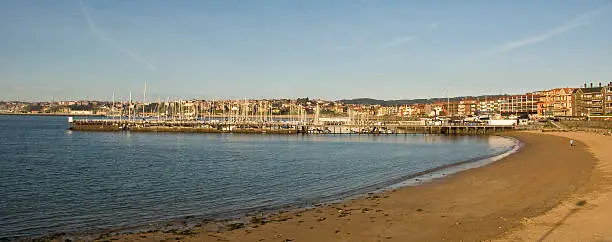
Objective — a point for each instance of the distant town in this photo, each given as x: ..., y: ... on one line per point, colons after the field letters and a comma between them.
x: 591, y: 99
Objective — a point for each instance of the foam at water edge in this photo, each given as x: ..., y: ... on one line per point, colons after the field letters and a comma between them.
x: 461, y: 166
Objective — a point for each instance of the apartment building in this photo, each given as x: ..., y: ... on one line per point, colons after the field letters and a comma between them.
x: 520, y: 104
x: 608, y: 99
x: 593, y: 101
x: 466, y: 107
x: 556, y: 102
x: 488, y: 106
x: 408, y: 110
x: 450, y: 109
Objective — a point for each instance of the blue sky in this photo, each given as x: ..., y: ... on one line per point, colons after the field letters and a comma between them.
x: 71, y: 49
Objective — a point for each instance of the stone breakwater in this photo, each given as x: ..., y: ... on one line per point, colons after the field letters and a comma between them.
x: 280, y: 127
x: 179, y: 127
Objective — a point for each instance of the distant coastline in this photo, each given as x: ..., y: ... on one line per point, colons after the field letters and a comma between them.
x: 52, y: 114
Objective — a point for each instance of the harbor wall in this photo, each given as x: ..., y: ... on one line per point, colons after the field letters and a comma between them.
x: 279, y: 129
x: 587, y: 124
x: 177, y: 129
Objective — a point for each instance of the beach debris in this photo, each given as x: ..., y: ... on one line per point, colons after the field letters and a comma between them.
x: 419, y: 210
x: 258, y: 220
x: 337, y: 231
x: 321, y: 219
x: 363, y: 210
x: 282, y: 219
x: 526, y: 221
x: 342, y: 213
x: 234, y: 226
x: 581, y: 203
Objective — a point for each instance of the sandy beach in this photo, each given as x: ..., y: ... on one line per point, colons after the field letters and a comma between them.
x: 569, y: 221
x: 514, y: 199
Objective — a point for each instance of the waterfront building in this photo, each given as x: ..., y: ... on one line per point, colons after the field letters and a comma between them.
x: 519, y: 104
x: 387, y: 111
x: 466, y: 107
x: 435, y: 110
x: 608, y: 99
x: 556, y: 102
x: 488, y: 106
x: 593, y: 101
x: 451, y: 109
x: 409, y: 111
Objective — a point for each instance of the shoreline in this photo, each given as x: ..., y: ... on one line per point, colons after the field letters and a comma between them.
x: 380, y: 188
x: 474, y: 204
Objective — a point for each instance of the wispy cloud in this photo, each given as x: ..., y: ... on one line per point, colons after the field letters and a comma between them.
x: 573, y: 23
x: 341, y: 48
x: 138, y: 58
x: 91, y: 25
x: 104, y: 38
x: 431, y: 26
x: 401, y: 40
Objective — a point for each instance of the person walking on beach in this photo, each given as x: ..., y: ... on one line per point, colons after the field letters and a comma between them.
x: 571, y: 142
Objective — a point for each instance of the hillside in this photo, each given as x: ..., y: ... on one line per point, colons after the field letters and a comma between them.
x: 371, y: 101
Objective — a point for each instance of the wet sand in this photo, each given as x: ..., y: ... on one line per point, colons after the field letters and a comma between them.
x: 485, y: 203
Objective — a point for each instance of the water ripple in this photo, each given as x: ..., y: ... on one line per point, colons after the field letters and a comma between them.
x: 56, y: 181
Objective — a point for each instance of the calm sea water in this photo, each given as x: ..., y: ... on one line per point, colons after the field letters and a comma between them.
x: 55, y: 180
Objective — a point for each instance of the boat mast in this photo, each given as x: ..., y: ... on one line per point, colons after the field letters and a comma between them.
x: 144, y: 99
x: 113, y: 108
x: 129, y: 107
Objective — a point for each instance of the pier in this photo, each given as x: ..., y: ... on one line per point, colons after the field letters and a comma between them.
x: 283, y: 127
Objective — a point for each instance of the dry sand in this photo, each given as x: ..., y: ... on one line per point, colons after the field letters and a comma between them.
x: 570, y: 222
x: 510, y: 199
